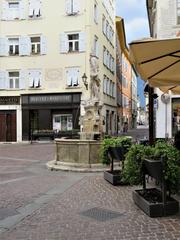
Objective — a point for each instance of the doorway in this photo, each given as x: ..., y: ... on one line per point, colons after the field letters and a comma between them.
x: 8, y: 126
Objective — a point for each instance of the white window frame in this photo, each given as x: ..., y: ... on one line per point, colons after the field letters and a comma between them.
x: 73, y: 9
x: 12, y: 11
x: 74, y: 41
x: 15, y: 80
x: 35, y: 44
x: 13, y: 45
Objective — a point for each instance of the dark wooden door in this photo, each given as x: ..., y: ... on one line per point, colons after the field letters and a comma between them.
x: 8, y: 126
x: 2, y: 128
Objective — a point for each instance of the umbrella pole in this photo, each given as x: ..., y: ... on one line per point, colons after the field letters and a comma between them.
x: 151, y: 116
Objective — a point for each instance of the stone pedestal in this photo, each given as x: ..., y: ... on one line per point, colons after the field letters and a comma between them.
x: 92, y: 120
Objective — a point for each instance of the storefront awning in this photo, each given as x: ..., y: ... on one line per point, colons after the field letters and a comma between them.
x: 158, y: 62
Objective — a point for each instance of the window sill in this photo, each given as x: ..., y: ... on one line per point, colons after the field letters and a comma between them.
x: 73, y: 87
x: 35, y: 18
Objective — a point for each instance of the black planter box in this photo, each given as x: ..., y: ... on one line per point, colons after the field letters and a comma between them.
x: 156, y: 209
x: 113, y: 177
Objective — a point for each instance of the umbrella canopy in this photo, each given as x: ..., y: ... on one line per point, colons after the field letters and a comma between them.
x: 158, y: 62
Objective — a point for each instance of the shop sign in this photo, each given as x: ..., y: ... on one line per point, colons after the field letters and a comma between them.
x: 9, y: 100
x: 50, y: 99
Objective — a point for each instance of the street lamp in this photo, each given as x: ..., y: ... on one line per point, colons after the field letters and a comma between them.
x: 84, y: 79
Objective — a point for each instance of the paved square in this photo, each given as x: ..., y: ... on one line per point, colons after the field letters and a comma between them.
x: 50, y: 204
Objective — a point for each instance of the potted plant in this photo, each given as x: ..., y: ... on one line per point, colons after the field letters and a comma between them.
x: 162, y: 162
x: 114, y: 149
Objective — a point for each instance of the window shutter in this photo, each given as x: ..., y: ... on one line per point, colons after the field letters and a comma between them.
x: 3, y: 79
x: 75, y: 73
x: 37, y: 78
x: 69, y: 77
x: 82, y: 41
x: 68, y: 7
x: 63, y: 43
x: 4, y: 13
x: 4, y: 47
x: 37, y: 8
x: 22, y: 10
x: 43, y: 45
x: 24, y: 46
x: 76, y: 6
x: 31, y: 7
x: 31, y: 78
x: 22, y: 79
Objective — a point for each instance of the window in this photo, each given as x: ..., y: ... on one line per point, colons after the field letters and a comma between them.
x: 104, y: 25
x: 35, y: 45
x: 34, y: 8
x: 95, y: 13
x: 73, y: 42
x: 14, y: 10
x: 104, y: 84
x: 107, y: 29
x: 72, y: 76
x: 13, y: 46
x: 62, y: 122
x: 72, y: 7
x: 13, y: 80
x: 178, y: 11
x: 35, y: 78
x: 96, y: 46
x: 104, y: 55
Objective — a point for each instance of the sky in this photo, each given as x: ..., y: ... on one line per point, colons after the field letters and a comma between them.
x: 135, y: 18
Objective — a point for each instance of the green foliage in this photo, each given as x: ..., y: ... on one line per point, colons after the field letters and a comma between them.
x: 132, y: 172
x: 124, y: 142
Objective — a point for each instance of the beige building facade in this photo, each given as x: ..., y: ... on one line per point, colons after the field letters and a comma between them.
x: 45, y: 49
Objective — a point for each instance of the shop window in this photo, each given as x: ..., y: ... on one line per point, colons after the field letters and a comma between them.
x: 62, y: 122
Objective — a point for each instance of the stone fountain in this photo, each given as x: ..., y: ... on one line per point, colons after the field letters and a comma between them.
x: 83, y: 154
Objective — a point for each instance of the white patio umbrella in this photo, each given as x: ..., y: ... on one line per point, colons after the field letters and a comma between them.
x: 158, y: 62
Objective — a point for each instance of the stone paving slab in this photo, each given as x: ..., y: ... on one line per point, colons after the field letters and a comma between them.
x: 61, y: 219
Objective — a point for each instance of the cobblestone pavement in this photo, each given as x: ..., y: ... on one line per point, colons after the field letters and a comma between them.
x: 38, y: 204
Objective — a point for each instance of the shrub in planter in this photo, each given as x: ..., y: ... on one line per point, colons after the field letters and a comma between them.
x: 132, y: 172
x: 124, y: 142
x: 114, y: 148
x: 140, y: 158
x: 137, y: 153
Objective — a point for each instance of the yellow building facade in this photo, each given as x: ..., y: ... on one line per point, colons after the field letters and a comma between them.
x: 45, y: 49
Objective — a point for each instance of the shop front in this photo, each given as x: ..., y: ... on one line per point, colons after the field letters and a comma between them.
x: 50, y: 112
x: 10, y: 114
